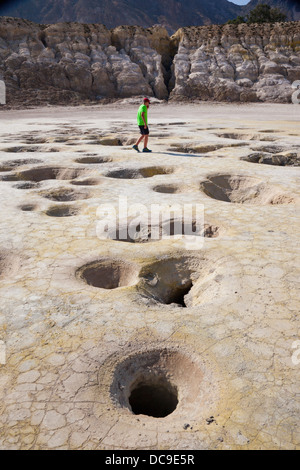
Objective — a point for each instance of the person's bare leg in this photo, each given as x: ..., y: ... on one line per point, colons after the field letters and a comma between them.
x: 146, y: 141
x: 140, y: 140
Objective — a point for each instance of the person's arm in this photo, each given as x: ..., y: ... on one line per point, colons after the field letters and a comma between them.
x: 143, y: 117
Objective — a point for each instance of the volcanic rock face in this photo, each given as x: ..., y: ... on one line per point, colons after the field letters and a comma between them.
x: 69, y: 62
x: 63, y: 62
x: 237, y: 63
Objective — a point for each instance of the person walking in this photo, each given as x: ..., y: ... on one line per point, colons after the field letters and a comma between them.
x: 142, y: 120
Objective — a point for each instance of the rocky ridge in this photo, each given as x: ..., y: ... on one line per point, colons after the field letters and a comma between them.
x: 237, y: 63
x: 73, y: 62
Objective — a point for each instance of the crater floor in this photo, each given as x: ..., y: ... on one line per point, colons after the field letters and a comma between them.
x: 142, y: 342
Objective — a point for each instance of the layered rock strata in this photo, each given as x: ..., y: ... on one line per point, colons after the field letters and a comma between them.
x: 237, y: 63
x: 73, y: 62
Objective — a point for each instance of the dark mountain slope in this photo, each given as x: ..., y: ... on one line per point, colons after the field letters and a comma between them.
x: 172, y: 14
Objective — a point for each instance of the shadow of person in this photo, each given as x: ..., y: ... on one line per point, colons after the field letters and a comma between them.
x: 177, y: 154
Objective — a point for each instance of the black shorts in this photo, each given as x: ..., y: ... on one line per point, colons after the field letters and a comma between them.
x: 144, y: 131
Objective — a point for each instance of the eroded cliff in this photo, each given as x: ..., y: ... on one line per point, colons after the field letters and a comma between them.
x: 73, y: 62
x: 237, y: 63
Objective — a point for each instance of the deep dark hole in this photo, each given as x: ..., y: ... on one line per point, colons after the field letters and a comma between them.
x: 157, y: 400
x: 178, y: 295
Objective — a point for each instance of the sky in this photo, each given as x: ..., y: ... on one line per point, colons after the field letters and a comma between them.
x: 240, y: 2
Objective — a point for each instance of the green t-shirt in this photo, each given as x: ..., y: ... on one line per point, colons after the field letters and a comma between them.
x: 142, y: 109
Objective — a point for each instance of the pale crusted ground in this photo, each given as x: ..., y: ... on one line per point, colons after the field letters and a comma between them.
x: 74, y: 350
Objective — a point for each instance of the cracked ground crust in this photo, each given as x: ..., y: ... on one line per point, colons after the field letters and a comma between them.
x: 66, y: 339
